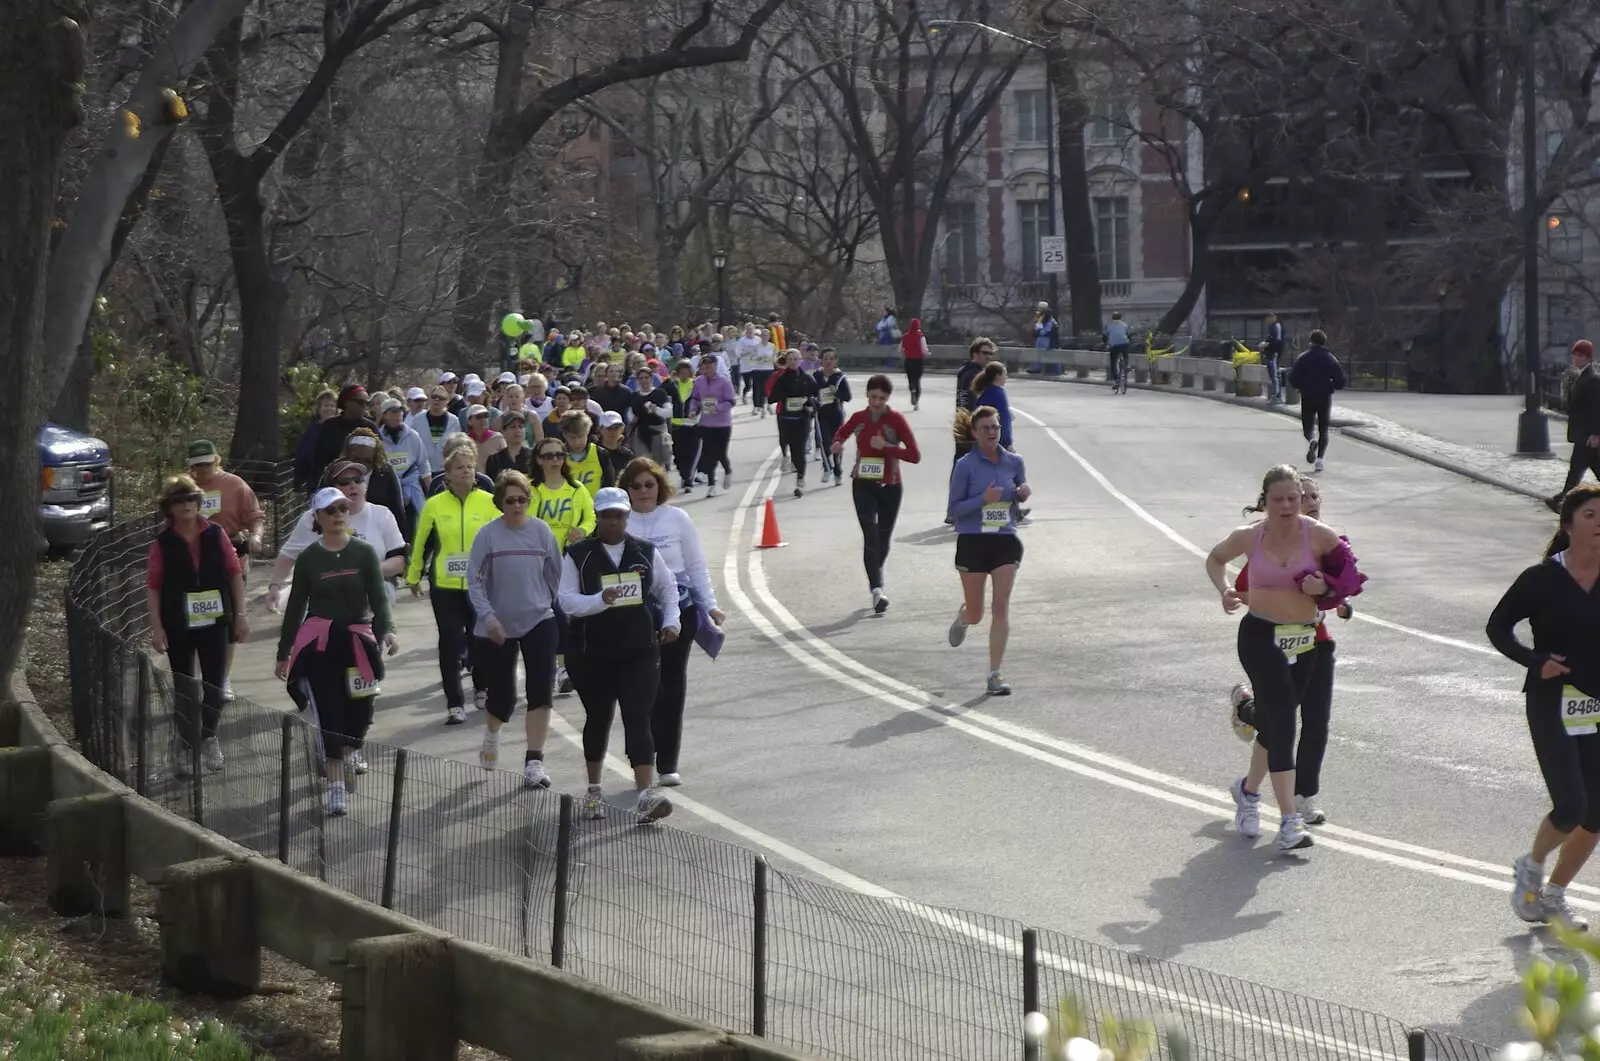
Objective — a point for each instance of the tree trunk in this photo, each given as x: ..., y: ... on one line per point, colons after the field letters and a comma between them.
x: 1077, y: 217
x: 41, y: 81
x: 1201, y: 221
x: 72, y: 405
x: 485, y: 275
x: 263, y: 297
x: 84, y: 255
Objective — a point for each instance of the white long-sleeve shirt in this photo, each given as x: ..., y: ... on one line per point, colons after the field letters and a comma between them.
x: 672, y: 532
x: 577, y: 604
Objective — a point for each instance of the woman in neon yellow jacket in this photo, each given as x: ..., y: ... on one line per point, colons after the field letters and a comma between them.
x: 448, y: 522
x: 568, y: 507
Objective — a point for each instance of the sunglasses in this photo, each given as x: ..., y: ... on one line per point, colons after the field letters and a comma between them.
x: 186, y: 499
x: 642, y: 484
x: 552, y: 456
x: 347, y: 480
x: 511, y: 499
x: 336, y: 510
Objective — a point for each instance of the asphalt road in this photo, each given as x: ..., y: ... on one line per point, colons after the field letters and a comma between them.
x: 859, y: 751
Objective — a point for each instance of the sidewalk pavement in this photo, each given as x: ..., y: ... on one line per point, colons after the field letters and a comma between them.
x: 1470, y: 434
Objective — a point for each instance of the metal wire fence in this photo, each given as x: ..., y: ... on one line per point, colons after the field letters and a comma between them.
x: 702, y: 927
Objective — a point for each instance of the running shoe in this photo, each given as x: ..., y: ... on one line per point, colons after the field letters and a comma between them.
x: 652, y: 806
x: 997, y: 685
x: 1246, y: 810
x: 1307, y: 806
x: 227, y: 690
x: 533, y: 775
x: 838, y: 477
x: 686, y: 489
x: 826, y: 471
x: 1024, y: 515
x: 670, y: 779
x: 711, y: 491
x: 915, y: 406
x: 799, y: 489
x: 1292, y: 834
x: 1527, y: 889
x: 480, y: 699
x: 594, y: 803
x: 337, y: 803
x: 1318, y: 466
x: 727, y: 477
x: 356, y: 761
x: 563, y: 681
x: 1311, y: 451
x: 1242, y: 712
x: 958, y: 630
x: 880, y: 602
x: 949, y: 521
x: 1553, y: 904
x: 489, y: 751
x: 455, y: 715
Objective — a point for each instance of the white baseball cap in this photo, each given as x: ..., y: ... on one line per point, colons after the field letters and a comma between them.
x: 472, y: 377
x: 476, y: 410
x: 609, y: 418
x: 447, y: 377
x: 608, y: 499
x: 416, y: 394
x: 329, y: 495
x: 475, y: 387
x: 506, y: 377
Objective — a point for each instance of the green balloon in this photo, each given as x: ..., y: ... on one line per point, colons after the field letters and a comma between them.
x: 514, y: 324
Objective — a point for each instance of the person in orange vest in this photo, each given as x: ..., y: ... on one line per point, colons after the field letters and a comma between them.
x: 780, y: 334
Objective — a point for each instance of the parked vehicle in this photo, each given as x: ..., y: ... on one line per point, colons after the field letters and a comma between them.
x: 74, y: 487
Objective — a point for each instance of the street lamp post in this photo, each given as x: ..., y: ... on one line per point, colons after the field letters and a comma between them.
x: 1533, y: 427
x: 719, y: 260
x: 1051, y: 278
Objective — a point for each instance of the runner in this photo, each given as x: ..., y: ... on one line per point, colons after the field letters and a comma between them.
x: 979, y: 351
x: 883, y: 440
x: 194, y: 592
x: 337, y: 614
x: 567, y: 507
x: 372, y: 524
x: 1277, y: 639
x: 614, y: 456
x: 1116, y: 336
x: 325, y: 406
x: 758, y: 367
x: 914, y: 349
x: 684, y: 428
x: 515, y: 574
x: 518, y: 454
x: 583, y: 456
x: 230, y: 503
x: 488, y: 440
x: 985, y: 489
x: 833, y: 393
x: 408, y: 458
x: 449, y: 522
x: 711, y: 403
x: 433, y: 425
x: 614, y: 587
x: 794, y: 395
x: 672, y: 532
x: 1316, y: 375
x: 1316, y: 707
x: 1562, y: 694
x: 989, y: 388
x: 363, y: 446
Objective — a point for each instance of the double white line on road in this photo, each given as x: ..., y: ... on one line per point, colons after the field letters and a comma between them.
x: 777, y: 623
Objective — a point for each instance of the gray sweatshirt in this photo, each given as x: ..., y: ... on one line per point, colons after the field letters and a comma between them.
x: 513, y: 575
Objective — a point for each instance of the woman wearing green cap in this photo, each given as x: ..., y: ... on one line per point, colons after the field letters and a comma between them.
x: 227, y: 501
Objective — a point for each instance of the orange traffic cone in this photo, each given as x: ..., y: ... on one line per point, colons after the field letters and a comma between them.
x: 770, y: 538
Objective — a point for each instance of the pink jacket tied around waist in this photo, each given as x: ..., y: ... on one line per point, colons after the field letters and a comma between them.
x: 318, y: 630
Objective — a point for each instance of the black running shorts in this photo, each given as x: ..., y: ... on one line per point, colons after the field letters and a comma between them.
x: 982, y: 553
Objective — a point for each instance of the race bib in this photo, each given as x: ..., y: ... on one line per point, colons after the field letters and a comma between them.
x: 1295, y: 639
x: 996, y: 517
x: 870, y: 468
x: 1579, y: 711
x: 399, y: 462
x: 632, y: 588
x: 708, y: 407
x: 689, y: 421
x: 456, y: 565
x: 204, y: 607
x: 794, y: 405
x: 211, y: 503
x: 358, y: 687
x: 826, y: 395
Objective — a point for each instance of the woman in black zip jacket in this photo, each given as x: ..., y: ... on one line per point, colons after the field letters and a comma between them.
x: 794, y: 396
x: 1562, y: 692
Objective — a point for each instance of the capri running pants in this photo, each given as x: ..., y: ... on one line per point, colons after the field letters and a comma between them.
x: 499, y: 663
x: 452, y: 612
x: 1280, y: 686
x: 666, y: 719
x: 1570, y: 765
x: 605, y: 684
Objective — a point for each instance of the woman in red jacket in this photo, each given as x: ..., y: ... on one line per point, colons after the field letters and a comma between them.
x: 913, y: 348
x: 883, y: 440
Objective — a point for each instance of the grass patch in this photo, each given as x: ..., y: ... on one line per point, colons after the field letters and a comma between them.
x: 44, y: 1017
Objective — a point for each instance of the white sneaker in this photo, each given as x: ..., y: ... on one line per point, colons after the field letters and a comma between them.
x: 337, y: 803
x: 1307, y: 806
x: 1292, y: 834
x: 211, y: 754
x: 227, y: 690
x: 455, y: 716
x: 711, y: 491
x: 1318, y: 466
x: 563, y: 681
x: 489, y: 751
x: 958, y: 630
x: 594, y: 803
x: 1527, y: 889
x: 1553, y: 904
x: 671, y: 779
x: 826, y: 471
x: 480, y: 699
x: 1247, y: 810
x: 533, y: 775
x: 880, y: 603
x: 652, y: 806
x: 1240, y: 710
x: 356, y: 761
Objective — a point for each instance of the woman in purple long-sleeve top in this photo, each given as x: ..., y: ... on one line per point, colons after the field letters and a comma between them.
x: 712, y: 401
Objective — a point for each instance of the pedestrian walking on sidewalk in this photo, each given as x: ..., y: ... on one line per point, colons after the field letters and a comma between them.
x: 1271, y: 353
x: 1583, y: 420
x: 1316, y: 375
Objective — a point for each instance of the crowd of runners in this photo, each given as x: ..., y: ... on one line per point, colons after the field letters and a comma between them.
x: 534, y: 508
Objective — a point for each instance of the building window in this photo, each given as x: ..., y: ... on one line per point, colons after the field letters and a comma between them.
x: 1111, y: 237
x: 1032, y: 217
x: 1108, y: 122
x: 961, y: 243
x: 1033, y: 116
x: 1564, y: 240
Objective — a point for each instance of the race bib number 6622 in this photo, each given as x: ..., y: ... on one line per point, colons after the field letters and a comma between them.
x: 629, y: 586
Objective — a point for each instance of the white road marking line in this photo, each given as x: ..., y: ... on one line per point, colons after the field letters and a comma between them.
x: 830, y: 662
x: 1167, y: 1000
x: 1184, y: 543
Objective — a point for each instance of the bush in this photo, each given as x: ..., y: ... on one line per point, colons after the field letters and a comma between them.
x: 1119, y: 1040
x: 1559, y: 1011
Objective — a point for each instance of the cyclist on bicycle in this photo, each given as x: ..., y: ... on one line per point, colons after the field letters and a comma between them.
x: 1116, y: 336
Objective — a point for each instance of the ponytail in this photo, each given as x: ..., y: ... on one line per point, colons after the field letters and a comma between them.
x: 1559, y: 543
x: 1259, y: 507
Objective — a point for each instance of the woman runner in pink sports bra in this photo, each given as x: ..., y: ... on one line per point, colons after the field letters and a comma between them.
x: 1276, y: 640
